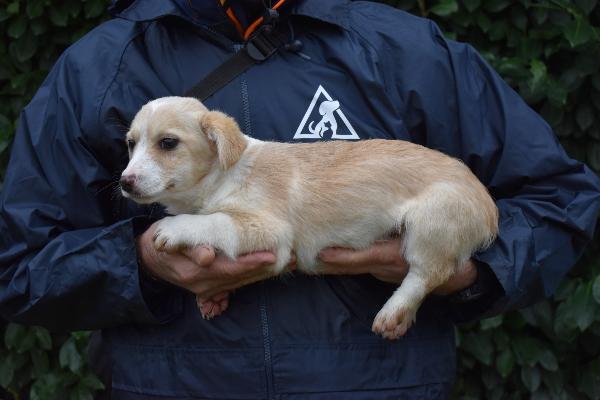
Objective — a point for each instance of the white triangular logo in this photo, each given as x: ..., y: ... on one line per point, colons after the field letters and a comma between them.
x: 326, y: 122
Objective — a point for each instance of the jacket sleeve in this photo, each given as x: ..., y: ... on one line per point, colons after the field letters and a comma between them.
x: 548, y: 203
x: 67, y: 256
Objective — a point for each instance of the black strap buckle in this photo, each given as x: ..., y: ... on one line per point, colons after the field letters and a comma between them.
x: 264, y: 42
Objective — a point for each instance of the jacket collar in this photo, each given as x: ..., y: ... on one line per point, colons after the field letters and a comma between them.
x: 331, y: 11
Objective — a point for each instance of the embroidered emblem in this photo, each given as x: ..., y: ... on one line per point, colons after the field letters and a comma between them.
x: 325, y: 125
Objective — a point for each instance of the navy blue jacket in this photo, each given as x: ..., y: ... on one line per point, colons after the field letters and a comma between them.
x: 67, y: 253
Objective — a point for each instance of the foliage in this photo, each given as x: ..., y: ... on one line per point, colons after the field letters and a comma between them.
x: 36, y: 365
x: 548, y: 50
x: 33, y: 363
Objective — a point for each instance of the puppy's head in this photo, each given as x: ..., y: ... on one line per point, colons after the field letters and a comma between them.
x: 173, y: 144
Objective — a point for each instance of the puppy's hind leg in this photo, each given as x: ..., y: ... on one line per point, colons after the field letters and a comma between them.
x: 431, y: 246
x: 399, y: 312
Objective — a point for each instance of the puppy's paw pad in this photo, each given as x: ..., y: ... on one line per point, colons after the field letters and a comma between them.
x: 214, y: 306
x: 393, y: 324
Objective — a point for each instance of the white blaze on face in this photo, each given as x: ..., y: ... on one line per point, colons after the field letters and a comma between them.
x: 147, y: 171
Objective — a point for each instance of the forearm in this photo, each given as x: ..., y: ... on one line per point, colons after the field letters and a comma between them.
x: 83, y: 279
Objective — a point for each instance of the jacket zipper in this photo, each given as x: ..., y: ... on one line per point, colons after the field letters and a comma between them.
x: 264, y: 318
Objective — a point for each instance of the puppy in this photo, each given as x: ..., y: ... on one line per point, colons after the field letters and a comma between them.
x: 241, y: 195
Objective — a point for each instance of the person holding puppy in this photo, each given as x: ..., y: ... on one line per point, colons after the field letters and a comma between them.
x: 74, y: 256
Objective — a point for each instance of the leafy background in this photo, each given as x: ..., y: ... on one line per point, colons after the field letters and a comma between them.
x: 548, y: 50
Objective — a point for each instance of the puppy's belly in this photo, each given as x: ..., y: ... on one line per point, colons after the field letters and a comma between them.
x: 355, y: 236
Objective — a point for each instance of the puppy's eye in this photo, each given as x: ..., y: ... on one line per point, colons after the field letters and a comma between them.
x: 130, y: 144
x: 168, y: 143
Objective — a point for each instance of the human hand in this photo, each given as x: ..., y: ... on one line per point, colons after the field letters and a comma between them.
x: 384, y: 261
x: 200, y: 270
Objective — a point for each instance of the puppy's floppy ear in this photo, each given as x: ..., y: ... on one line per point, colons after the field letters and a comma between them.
x: 225, y: 135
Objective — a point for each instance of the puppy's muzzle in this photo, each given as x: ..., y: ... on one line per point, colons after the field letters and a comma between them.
x: 127, y: 183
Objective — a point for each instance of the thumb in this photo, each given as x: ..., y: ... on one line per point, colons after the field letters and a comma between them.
x: 203, y: 256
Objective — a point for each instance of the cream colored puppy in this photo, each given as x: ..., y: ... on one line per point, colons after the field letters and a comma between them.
x: 241, y: 195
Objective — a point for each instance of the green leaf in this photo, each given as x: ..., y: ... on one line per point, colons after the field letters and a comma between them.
x: 498, y: 30
x: 557, y: 93
x: 596, y: 289
x: 43, y: 338
x: 593, y: 156
x: 35, y: 8
x: 5, y: 127
x: 483, y: 22
x: 548, y: 360
x: 7, y: 370
x: 553, y: 115
x: 501, y: 339
x: 565, y: 289
x: 13, y: 335
x: 528, y: 350
x: 480, y: 346
x: 577, y: 312
x: 17, y: 27
x: 25, y: 47
x: 540, y: 15
x: 588, y: 381
x: 39, y: 359
x: 505, y: 363
x: 92, y: 382
x: 578, y: 32
x: 26, y: 342
x: 539, y: 73
x: 491, y: 323
x: 81, y: 393
x: 490, y: 378
x: 584, y: 116
x: 444, y: 8
x: 59, y: 16
x: 38, y: 26
x: 582, y: 304
x: 596, y: 81
x: 69, y: 356
x: 471, y: 5
x: 531, y: 378
x: 518, y: 18
x: 13, y: 8
x: 496, y: 5
x: 81, y: 336
x: 93, y: 8
x: 46, y: 387
x: 586, y: 5
x: 554, y: 381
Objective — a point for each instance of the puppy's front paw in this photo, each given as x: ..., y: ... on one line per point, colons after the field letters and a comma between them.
x: 170, y: 234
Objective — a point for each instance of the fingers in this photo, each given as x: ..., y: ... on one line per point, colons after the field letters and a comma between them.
x: 257, y: 259
x: 462, y: 279
x: 344, y: 260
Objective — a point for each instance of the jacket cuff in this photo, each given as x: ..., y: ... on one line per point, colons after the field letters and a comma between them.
x: 159, y: 301
x: 477, y: 301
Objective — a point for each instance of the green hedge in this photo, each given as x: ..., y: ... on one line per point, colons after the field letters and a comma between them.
x: 548, y: 50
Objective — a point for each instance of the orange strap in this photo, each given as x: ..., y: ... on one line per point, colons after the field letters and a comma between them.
x: 252, y: 27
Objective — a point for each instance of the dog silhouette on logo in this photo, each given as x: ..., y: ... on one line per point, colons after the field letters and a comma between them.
x: 326, y: 109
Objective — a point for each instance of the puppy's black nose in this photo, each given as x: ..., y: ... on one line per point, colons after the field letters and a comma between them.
x: 127, y: 183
